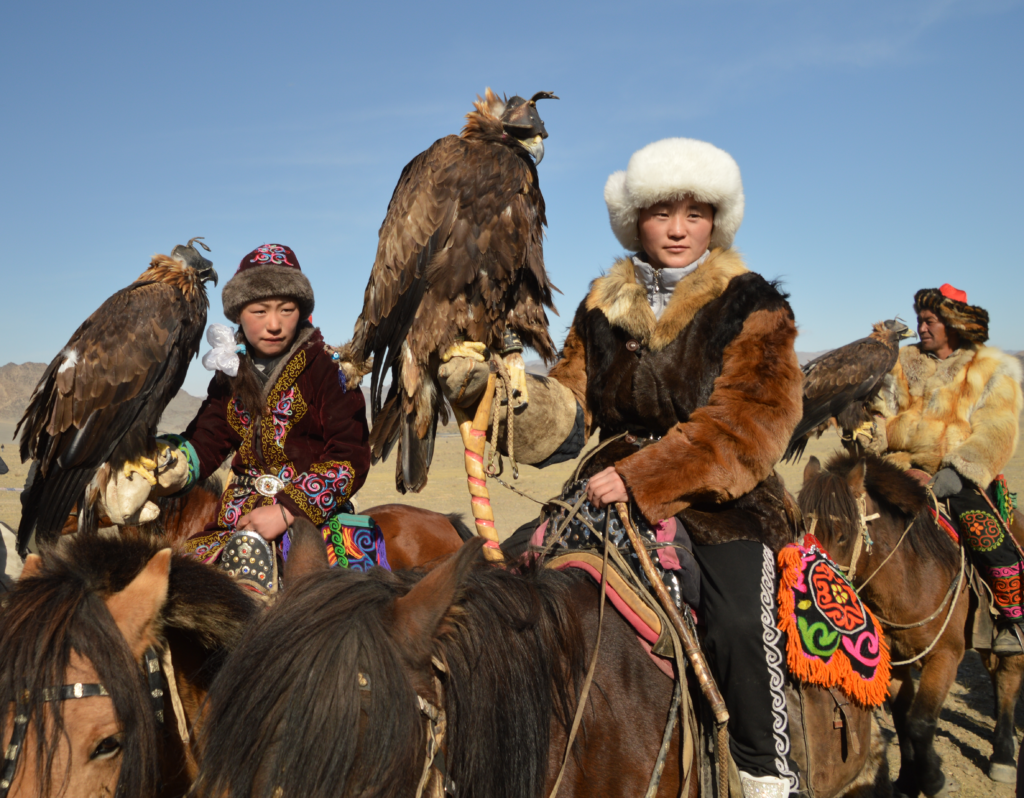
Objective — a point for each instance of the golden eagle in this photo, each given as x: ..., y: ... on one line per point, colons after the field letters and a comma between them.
x: 100, y: 399
x: 841, y: 384
x: 460, y: 258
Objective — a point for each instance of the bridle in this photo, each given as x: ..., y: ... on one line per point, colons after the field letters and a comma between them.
x: 67, y: 692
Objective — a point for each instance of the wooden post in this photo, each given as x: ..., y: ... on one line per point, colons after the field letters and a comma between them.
x: 474, y: 438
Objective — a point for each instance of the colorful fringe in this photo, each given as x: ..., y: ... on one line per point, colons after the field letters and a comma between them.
x: 833, y: 639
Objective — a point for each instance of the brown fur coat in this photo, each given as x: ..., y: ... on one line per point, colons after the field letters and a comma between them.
x: 716, y: 376
x: 961, y: 412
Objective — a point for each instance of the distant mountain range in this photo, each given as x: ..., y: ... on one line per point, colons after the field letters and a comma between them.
x: 18, y: 380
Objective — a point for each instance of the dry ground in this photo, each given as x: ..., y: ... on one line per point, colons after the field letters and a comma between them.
x: 965, y: 729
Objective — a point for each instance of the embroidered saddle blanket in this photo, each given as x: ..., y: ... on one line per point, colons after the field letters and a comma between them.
x: 833, y: 639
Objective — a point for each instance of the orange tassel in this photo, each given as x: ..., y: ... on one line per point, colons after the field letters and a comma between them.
x: 838, y: 671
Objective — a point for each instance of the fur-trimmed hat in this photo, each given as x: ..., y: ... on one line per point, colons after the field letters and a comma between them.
x: 671, y: 169
x: 267, y: 271
x: 950, y: 305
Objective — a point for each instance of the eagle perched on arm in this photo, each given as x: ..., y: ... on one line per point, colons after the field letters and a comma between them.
x: 841, y: 384
x: 100, y: 399
x: 460, y: 258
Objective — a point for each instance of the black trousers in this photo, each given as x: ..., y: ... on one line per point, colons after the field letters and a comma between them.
x: 747, y: 653
x: 992, y: 550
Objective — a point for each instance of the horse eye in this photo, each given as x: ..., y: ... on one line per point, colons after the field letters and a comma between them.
x: 107, y: 748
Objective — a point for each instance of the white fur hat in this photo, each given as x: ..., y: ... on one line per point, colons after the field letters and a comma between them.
x: 671, y: 169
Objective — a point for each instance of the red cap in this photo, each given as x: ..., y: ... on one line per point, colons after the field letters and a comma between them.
x: 950, y: 292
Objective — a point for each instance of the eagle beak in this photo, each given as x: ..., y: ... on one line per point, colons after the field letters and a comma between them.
x: 534, y: 146
x: 210, y: 276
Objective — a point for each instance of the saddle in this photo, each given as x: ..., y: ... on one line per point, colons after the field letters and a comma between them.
x: 811, y: 596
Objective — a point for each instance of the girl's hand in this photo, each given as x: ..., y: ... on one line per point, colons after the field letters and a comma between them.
x: 268, y: 522
x: 606, y: 487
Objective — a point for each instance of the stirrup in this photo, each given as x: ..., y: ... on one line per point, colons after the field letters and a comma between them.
x: 1007, y: 642
x: 764, y: 786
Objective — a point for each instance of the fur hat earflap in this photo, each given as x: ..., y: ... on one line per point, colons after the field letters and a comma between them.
x: 950, y: 305
x: 268, y: 271
x: 671, y: 169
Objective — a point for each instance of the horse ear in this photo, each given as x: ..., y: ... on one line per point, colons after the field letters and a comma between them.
x: 136, y: 608
x: 812, y: 469
x: 419, y: 612
x: 855, y: 479
x: 307, y: 553
x: 33, y: 567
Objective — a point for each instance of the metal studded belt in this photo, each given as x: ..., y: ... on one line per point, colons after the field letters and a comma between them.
x: 265, y: 484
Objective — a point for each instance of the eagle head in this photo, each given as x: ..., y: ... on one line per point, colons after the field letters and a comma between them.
x: 514, y: 120
x: 193, y: 257
x: 520, y: 121
x: 897, y: 326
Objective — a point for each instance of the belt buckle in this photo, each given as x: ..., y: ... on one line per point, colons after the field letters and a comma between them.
x: 268, y: 485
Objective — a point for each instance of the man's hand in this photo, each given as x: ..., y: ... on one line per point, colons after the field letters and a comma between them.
x: 268, y: 522
x: 947, y: 483
x: 606, y: 487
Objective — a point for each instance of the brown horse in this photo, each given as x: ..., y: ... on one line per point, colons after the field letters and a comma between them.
x: 916, y: 582
x: 74, y: 634
x: 482, y: 663
x: 412, y: 537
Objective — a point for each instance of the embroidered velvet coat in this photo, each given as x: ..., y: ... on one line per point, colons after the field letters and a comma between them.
x: 716, y: 377
x: 315, y: 439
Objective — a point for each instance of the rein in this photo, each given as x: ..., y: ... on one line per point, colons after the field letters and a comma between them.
x: 863, y: 537
x: 67, y: 692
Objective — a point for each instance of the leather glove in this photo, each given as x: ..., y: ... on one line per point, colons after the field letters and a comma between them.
x: 172, y: 473
x: 463, y: 380
x: 946, y: 483
x: 125, y: 499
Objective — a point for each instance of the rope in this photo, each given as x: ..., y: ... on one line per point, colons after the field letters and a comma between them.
x: 888, y: 557
x: 510, y: 438
x: 585, y: 692
x: 945, y: 623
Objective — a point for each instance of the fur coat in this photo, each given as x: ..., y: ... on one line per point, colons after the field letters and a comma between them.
x: 961, y: 412
x: 716, y: 377
x: 315, y: 438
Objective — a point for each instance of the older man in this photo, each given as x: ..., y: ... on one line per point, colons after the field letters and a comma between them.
x: 951, y: 408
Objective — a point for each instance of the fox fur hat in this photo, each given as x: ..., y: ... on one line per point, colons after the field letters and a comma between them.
x: 671, y: 169
x: 950, y: 305
x: 268, y: 271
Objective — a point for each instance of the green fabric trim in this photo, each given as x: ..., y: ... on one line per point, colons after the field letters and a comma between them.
x: 358, y: 521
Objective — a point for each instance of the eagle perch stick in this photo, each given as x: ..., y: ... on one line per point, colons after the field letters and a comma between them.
x: 690, y: 644
x: 474, y: 438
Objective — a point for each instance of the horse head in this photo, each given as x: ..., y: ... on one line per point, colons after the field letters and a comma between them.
x: 333, y: 691
x: 72, y: 683
x: 84, y: 635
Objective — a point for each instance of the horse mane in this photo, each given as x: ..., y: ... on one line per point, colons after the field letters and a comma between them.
x: 514, y: 653
x: 61, y: 610
x: 895, y: 491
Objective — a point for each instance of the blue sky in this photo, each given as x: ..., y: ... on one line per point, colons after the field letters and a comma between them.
x: 880, y: 142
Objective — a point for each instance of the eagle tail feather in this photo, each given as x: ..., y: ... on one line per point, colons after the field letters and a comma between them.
x: 47, y: 502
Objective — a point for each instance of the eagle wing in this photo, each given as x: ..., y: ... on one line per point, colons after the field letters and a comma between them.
x: 418, y: 224
x: 100, y: 399
x: 840, y: 379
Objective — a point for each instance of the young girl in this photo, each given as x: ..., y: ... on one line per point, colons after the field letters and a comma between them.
x: 300, y: 438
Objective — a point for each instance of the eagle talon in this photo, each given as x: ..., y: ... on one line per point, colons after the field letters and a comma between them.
x: 144, y: 466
